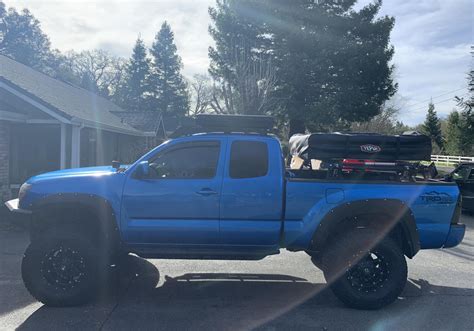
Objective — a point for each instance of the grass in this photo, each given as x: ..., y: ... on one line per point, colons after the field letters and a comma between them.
x: 441, y: 164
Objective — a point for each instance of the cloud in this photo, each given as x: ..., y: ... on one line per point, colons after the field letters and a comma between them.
x: 436, y: 72
x: 432, y: 43
x: 115, y: 25
x: 431, y: 38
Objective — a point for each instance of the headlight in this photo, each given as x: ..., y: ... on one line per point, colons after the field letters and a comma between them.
x: 23, y: 190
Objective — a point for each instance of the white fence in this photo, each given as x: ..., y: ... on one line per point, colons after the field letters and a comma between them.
x: 450, y: 160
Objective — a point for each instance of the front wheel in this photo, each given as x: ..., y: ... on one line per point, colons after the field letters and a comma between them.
x: 362, y: 276
x: 61, y: 270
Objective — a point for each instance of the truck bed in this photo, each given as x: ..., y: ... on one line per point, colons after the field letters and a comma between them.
x: 310, y: 196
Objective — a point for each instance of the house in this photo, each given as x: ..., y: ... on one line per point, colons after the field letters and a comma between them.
x: 153, y: 123
x: 47, y: 124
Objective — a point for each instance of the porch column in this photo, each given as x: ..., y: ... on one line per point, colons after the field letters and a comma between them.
x: 76, y: 147
x: 62, y: 157
x: 5, y: 191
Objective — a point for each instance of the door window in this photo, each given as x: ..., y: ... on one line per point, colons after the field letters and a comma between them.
x: 461, y: 173
x: 187, y: 161
x: 248, y: 159
x: 471, y: 176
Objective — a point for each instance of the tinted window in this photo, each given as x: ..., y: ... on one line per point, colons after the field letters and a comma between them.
x: 461, y: 173
x: 248, y: 159
x: 187, y: 161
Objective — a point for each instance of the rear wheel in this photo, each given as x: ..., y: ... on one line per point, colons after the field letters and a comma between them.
x: 363, y: 275
x: 61, y: 270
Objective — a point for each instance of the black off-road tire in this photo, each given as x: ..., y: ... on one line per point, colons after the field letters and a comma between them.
x: 41, y: 276
x: 364, y: 274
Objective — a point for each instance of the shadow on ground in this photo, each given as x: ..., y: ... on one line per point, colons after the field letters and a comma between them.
x: 13, y: 242
x: 12, y: 222
x: 216, y: 301
x: 140, y: 298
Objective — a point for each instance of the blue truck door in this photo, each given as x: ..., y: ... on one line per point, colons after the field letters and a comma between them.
x: 252, y: 193
x: 178, y: 203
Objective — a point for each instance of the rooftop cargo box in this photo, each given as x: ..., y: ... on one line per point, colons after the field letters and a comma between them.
x: 363, y: 146
x: 225, y: 124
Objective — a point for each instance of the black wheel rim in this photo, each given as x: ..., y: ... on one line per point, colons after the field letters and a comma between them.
x: 370, y: 274
x: 64, y: 267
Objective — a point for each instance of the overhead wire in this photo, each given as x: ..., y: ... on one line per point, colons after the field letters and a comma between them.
x: 437, y: 103
x: 435, y: 97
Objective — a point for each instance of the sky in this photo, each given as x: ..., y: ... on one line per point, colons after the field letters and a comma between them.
x: 432, y: 39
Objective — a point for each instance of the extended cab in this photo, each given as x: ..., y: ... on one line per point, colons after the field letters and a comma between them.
x: 229, y: 196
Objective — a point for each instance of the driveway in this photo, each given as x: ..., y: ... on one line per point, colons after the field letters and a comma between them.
x: 283, y: 292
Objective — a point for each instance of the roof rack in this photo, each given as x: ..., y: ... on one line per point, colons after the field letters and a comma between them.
x: 206, y: 123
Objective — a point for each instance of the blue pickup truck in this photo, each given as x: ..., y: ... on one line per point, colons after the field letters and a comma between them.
x: 229, y: 196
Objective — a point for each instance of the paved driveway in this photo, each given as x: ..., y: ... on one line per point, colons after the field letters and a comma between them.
x: 283, y: 292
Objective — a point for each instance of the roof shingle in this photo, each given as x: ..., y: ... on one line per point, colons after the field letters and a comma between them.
x: 68, y: 100
x: 145, y: 121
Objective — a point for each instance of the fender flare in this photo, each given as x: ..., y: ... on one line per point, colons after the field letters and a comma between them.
x: 108, y: 224
x: 398, y: 214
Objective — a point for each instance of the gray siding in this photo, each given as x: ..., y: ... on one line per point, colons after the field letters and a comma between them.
x: 4, y: 161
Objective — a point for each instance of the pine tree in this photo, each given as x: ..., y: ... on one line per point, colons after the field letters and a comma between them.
x: 22, y: 39
x: 332, y: 62
x: 136, y: 72
x: 432, y: 126
x: 453, y: 134
x: 168, y: 90
x: 466, y: 106
x: 239, y: 60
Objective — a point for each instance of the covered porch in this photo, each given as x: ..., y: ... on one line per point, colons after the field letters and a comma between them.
x: 37, y: 139
x: 47, y: 124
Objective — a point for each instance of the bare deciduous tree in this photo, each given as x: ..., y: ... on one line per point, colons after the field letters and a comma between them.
x: 250, y: 92
x: 245, y: 78
x: 201, y: 92
x: 97, y: 70
x: 210, y: 96
x: 223, y: 98
x: 256, y: 81
x: 386, y: 123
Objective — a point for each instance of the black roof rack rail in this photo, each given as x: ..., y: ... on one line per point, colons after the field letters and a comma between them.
x: 206, y: 123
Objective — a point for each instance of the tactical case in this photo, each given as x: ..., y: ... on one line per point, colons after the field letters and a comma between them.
x: 363, y: 146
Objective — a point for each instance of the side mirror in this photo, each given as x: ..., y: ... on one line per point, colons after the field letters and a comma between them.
x: 142, y: 170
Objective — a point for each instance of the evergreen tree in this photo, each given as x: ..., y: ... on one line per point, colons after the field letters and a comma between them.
x: 240, y: 61
x: 22, y: 39
x: 97, y: 71
x: 168, y: 90
x: 136, y: 73
x: 466, y: 106
x: 453, y: 134
x: 432, y: 126
x: 332, y: 63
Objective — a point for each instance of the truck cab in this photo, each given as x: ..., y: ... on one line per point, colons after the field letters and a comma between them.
x: 213, y: 194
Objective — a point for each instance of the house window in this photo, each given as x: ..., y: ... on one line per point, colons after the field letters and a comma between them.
x: 187, y: 161
x: 248, y: 159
